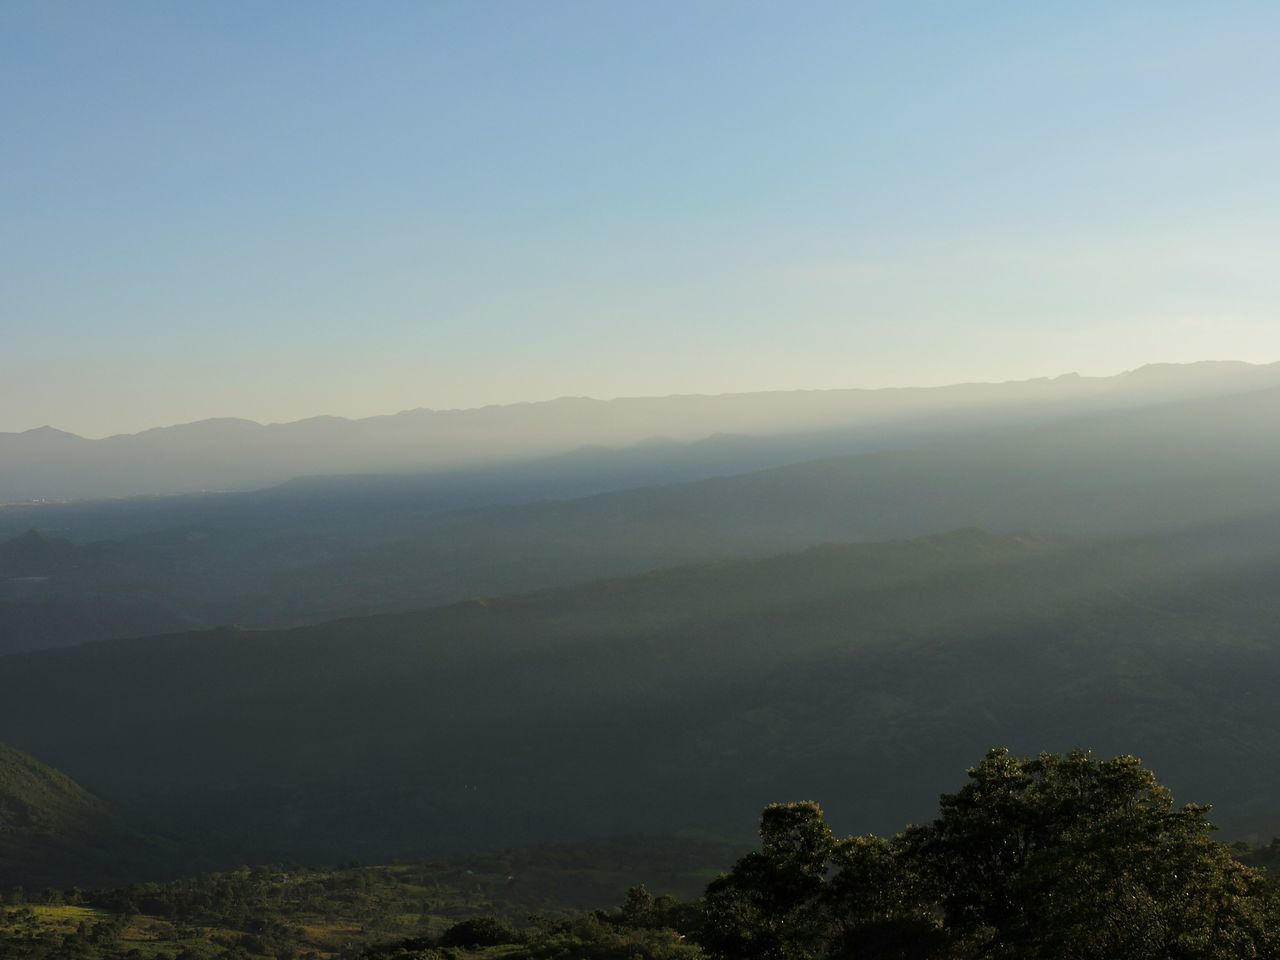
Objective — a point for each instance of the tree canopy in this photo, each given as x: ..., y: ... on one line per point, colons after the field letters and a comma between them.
x: 1057, y: 856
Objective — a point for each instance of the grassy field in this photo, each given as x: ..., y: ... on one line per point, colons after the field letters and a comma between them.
x: 292, y: 913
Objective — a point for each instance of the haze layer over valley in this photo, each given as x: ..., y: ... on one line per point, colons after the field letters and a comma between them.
x: 330, y: 547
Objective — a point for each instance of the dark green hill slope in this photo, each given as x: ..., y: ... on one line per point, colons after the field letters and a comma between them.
x: 37, y: 801
x: 679, y: 700
x: 51, y: 829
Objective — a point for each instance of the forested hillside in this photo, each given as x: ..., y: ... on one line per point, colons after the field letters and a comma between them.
x: 38, y: 805
x: 53, y: 831
x: 679, y: 700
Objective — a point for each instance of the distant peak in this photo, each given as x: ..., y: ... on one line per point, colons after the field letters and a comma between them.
x: 50, y: 432
x: 1201, y: 366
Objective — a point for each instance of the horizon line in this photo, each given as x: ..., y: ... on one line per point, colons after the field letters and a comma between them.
x: 408, y: 411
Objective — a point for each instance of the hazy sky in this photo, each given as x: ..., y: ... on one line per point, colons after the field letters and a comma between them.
x: 274, y: 209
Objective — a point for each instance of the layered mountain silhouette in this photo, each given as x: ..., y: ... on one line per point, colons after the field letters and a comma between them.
x: 657, y: 639
x: 325, y: 553
x: 48, y: 464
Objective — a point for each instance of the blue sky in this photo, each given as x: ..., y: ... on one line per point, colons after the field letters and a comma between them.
x: 274, y: 210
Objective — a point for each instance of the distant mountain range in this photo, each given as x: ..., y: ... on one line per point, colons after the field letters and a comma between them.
x: 314, y: 551
x: 214, y: 455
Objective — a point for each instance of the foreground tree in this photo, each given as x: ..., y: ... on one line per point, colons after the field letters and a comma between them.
x: 769, y: 907
x: 1076, y: 858
x: 1045, y: 858
x: 805, y: 895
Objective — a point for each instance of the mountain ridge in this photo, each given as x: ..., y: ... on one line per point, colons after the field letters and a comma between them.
x: 238, y: 454
x: 1144, y: 371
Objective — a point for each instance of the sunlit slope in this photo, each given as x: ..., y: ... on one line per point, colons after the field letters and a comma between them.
x: 48, y: 823
x: 684, y: 699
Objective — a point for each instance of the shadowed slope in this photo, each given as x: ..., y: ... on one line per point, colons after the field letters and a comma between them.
x: 684, y: 699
